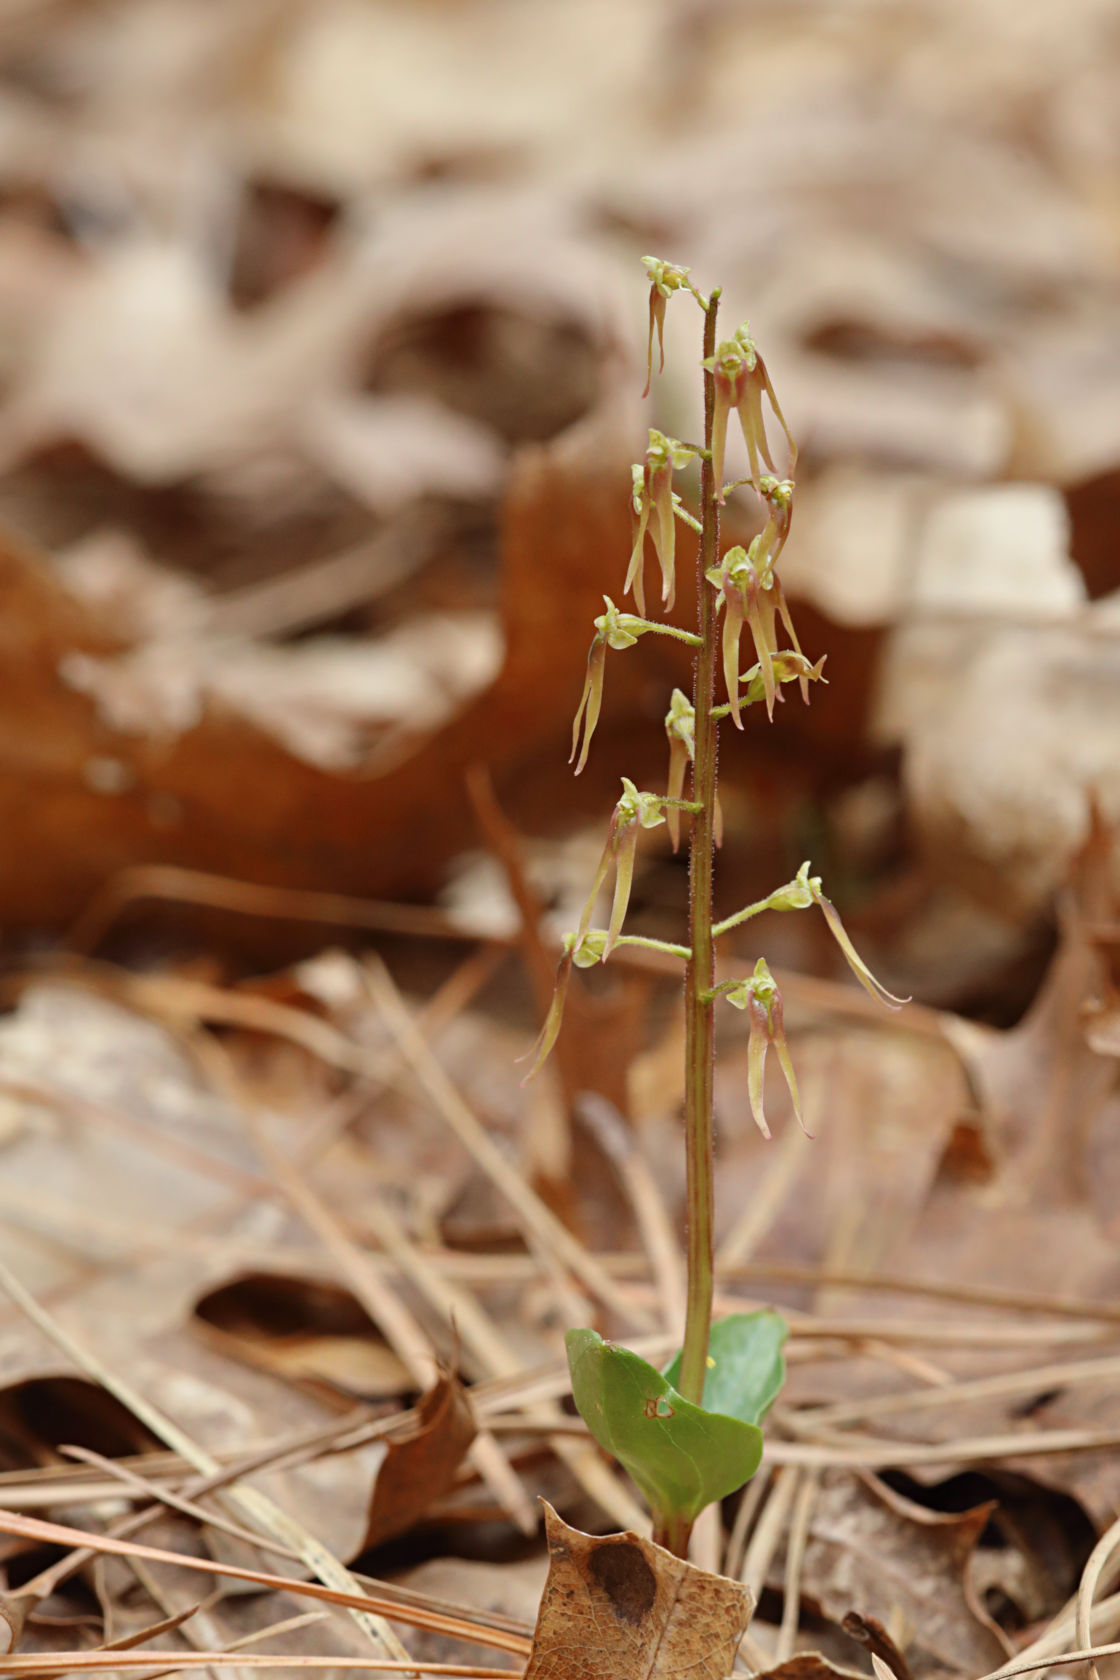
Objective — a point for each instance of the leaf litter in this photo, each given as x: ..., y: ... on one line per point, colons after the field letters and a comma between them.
x: 315, y: 396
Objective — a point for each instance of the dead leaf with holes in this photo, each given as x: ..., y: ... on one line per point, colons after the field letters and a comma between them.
x: 617, y: 1607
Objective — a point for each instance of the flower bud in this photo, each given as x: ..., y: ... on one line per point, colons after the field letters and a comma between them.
x: 680, y: 727
x: 639, y: 502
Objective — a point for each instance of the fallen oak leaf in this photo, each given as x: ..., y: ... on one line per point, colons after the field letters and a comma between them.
x: 617, y: 1607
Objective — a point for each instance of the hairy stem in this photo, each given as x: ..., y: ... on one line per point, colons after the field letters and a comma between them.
x: 700, y: 974
x: 741, y: 916
x: 645, y: 944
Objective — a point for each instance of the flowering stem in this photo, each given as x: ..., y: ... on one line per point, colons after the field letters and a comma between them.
x: 700, y: 974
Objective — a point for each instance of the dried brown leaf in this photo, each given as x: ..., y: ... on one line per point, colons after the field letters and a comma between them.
x: 808, y: 1665
x: 617, y: 1607
x: 873, y: 1551
x: 420, y: 1466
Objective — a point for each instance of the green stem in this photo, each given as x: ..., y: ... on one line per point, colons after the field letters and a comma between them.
x: 673, y: 1532
x: 649, y: 624
x: 654, y: 945
x: 743, y: 915
x: 700, y: 974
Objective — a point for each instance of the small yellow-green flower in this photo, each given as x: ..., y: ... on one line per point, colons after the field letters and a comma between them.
x: 761, y: 999
x: 665, y: 278
x: 799, y: 894
x: 752, y: 594
x: 654, y: 504
x: 633, y: 812
x: 613, y: 629
x: 740, y: 378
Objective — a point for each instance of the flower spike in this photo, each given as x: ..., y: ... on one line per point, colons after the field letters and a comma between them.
x: 761, y: 999
x: 665, y: 278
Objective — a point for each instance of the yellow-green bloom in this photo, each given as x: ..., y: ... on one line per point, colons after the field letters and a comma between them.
x: 753, y: 595
x: 761, y: 999
x: 584, y: 951
x: 799, y: 894
x: 740, y: 377
x: 665, y: 278
x: 654, y: 505
x: 633, y: 812
x: 788, y: 667
x: 613, y: 629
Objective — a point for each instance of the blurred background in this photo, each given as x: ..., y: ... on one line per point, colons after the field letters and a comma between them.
x: 321, y: 338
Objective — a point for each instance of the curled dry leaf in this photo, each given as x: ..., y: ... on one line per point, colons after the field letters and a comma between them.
x: 306, y: 1330
x: 420, y: 1466
x: 617, y: 1607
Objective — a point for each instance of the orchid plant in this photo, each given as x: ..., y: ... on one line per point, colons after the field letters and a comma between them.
x: 691, y: 1434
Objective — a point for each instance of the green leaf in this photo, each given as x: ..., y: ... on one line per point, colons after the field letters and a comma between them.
x: 681, y: 1456
x: 746, y: 1365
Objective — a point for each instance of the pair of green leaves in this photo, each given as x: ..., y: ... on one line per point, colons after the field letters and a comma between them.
x: 682, y: 1457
